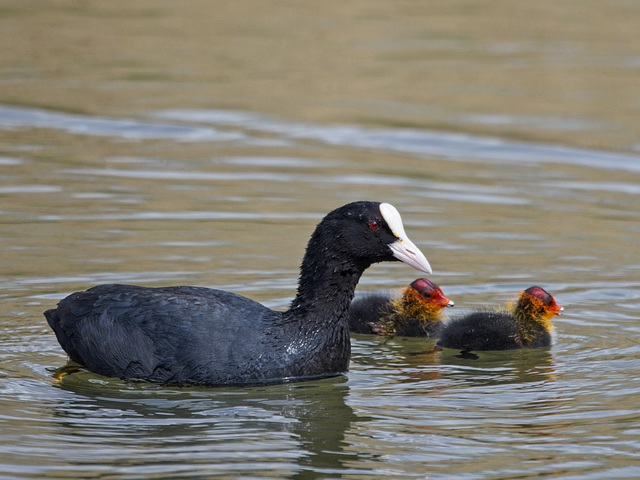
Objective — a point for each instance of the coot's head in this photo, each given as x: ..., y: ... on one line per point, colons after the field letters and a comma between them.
x: 430, y: 293
x: 537, y: 302
x: 370, y: 232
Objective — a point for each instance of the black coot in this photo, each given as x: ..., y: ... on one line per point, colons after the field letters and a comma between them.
x: 195, y: 335
x: 526, y: 324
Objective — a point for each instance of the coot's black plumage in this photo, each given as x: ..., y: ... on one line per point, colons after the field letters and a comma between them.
x: 417, y: 312
x: 195, y: 335
x: 526, y: 324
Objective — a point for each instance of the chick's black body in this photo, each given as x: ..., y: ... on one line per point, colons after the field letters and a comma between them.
x: 367, y: 309
x: 376, y: 313
x: 526, y: 325
x: 487, y: 331
x: 195, y: 335
x: 416, y: 312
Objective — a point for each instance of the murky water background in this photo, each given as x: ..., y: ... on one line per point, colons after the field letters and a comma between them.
x: 164, y: 143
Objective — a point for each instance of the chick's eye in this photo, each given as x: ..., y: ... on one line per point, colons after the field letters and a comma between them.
x: 374, y: 225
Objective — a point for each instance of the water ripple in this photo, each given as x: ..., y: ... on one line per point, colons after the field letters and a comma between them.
x: 127, y: 129
x: 453, y: 146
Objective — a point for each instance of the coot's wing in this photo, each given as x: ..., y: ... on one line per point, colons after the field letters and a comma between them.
x: 174, y: 334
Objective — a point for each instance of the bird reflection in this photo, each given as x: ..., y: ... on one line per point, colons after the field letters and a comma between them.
x: 416, y: 359
x: 297, y: 427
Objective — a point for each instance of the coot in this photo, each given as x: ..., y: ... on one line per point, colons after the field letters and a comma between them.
x: 201, y: 336
x: 417, y: 312
x: 527, y: 324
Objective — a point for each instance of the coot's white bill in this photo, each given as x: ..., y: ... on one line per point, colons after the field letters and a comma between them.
x: 403, y: 248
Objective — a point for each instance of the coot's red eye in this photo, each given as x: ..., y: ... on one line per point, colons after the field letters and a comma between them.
x: 374, y: 225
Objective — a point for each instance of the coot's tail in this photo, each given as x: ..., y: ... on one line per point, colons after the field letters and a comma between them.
x: 53, y: 319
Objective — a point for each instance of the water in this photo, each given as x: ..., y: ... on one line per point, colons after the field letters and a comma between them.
x: 510, y: 149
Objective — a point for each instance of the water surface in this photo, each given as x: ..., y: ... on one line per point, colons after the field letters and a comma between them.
x: 162, y: 146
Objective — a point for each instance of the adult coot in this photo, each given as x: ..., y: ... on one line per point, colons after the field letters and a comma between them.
x: 201, y: 336
x: 527, y: 324
x: 417, y: 312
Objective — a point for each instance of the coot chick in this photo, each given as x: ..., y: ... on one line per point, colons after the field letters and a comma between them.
x: 527, y: 324
x: 201, y: 336
x: 416, y: 313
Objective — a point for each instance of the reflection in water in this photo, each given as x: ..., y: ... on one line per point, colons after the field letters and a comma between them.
x: 501, y: 400
x: 294, y: 428
x: 515, y: 366
x: 420, y: 361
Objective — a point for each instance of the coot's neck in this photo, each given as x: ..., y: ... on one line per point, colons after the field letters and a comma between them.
x: 326, y: 287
